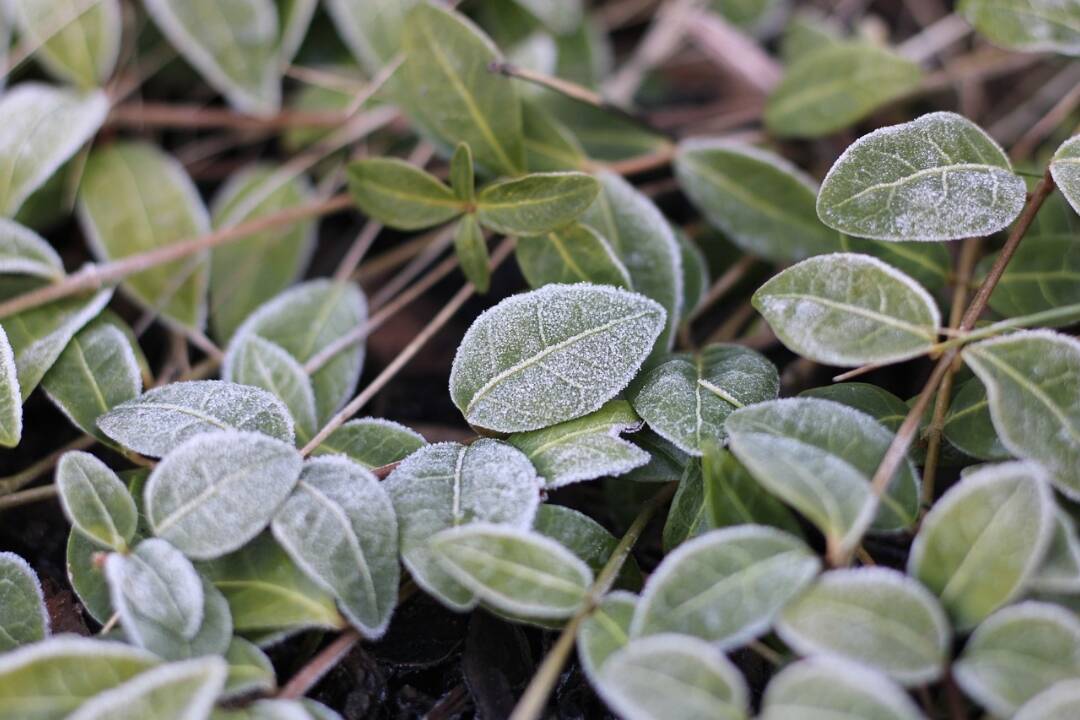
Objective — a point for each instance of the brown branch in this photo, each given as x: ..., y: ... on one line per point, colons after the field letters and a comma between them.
x: 318, y: 666
x: 191, y: 117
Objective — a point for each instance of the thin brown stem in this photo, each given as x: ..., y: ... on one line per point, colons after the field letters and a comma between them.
x: 26, y: 497
x: 724, y: 284
x: 189, y: 117
x: 21, y: 479
x: 318, y: 666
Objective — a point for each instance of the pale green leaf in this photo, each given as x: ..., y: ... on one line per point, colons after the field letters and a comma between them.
x: 250, y: 671
x: 24, y: 252
x: 462, y: 176
x: 43, y: 128
x: 86, y: 578
x: 575, y: 253
x: 848, y: 310
x: 1060, y: 700
x: 586, y: 538
x: 549, y: 145
x: 731, y: 495
x: 551, y: 355
x: 535, y: 204
x: 76, y: 42
x: 155, y: 585
x: 295, y: 18
x: 603, y: 135
x: 559, y: 16
x: 174, y: 691
x: 929, y: 264
x: 95, y: 500
x: 984, y: 539
x: 401, y: 195
x: 725, y: 586
x: 762, y: 202
x: 968, y: 426
x: 134, y: 198
x: 1027, y: 25
x: 23, y: 616
x: 875, y: 401
x: 11, y: 419
x: 688, y: 516
x: 370, y: 28
x: 1060, y: 569
x: 605, y: 631
x: 586, y: 448
x: 822, y: 688
x: 258, y: 363
x: 1043, y: 274
x: 939, y: 177
x: 472, y: 253
x: 372, y: 442
x: 806, y: 31
x: 695, y: 269
x: 1065, y: 165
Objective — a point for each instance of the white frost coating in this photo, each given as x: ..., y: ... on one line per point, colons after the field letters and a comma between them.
x: 938, y: 177
x: 605, y: 630
x: 848, y: 309
x: 95, y: 500
x: 372, y: 442
x: 17, y: 563
x: 10, y: 396
x: 835, y: 688
x: 1060, y: 569
x: 1061, y: 700
x: 43, y: 127
x: 158, y: 583
x: 217, y: 491
x: 82, y: 48
x: 164, y: 418
x: 180, y: 691
x: 61, y: 647
x: 447, y: 485
x: 24, y: 252
x: 255, y: 361
x: 725, y: 586
x: 1065, y: 169
x: 668, y: 676
x: 339, y: 527
x: 551, y: 355
x: 873, y: 616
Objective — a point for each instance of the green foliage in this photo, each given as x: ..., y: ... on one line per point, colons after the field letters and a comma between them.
x: 23, y: 616
x: 96, y: 501
x: 826, y: 686
x: 1029, y: 25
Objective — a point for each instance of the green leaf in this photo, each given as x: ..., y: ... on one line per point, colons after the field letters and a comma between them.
x: 604, y: 632
x: 218, y: 490
x: 1059, y: 701
x: 86, y: 578
x: 155, y: 584
x: 1043, y: 274
x: 575, y: 253
x: 876, y: 402
x: 687, y: 397
x: 258, y: 363
x: 43, y: 128
x: 448, y: 485
x: 1032, y: 382
x: 819, y: 456
x: 763, y: 203
x: 24, y: 252
x: 96, y: 502
x: 462, y: 179
x: 603, y: 135
x: 339, y: 527
x: 725, y: 586
x: 49, y: 680
x: 513, y: 570
x: 688, y: 517
x: 586, y: 448
x: 1065, y: 165
x: 449, y: 90
x: 1017, y: 653
x: 98, y: 370
x: 166, y: 417
x: 240, y: 58
x: 695, y: 269
x: 247, y: 273
x: 837, y: 85
x: 669, y: 676
x: 829, y: 688
x: 645, y: 243
x: 371, y: 29
x: 806, y: 31
x: 581, y: 343
x: 23, y: 616
x: 11, y: 419
x: 929, y: 264
x: 134, y: 198
x: 1060, y: 569
x: 472, y: 253
x: 984, y: 539
x: 849, y: 310
x: 666, y: 462
x: 174, y: 691
x: 372, y: 442
x: 549, y: 145
x: 401, y: 195
x: 876, y: 617
x: 586, y: 538
x: 295, y: 20
x: 939, y: 177
x: 75, y: 42
x: 731, y: 496
x: 268, y: 593
x: 968, y: 426
x: 1026, y: 25
x: 535, y: 204
x: 250, y: 671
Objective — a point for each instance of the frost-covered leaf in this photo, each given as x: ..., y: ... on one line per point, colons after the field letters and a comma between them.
x: 1017, y: 653
x: 968, y: 426
x: 726, y: 586
x: 75, y: 42
x: 23, y: 616
x: 267, y: 593
x: 687, y: 517
x: 372, y: 442
x: 218, y: 490
x: 586, y: 448
x: 86, y: 578
x: 605, y: 631
x: 847, y: 309
x: 645, y: 243
x: 339, y: 527
x: 43, y: 128
x: 1060, y: 700
x: 239, y: 58
x: 370, y: 28
x: 670, y: 676
x: 695, y: 267
x: 876, y: 617
x: 586, y: 538
x: 836, y: 86
x: 24, y: 252
x: 174, y: 691
x: 448, y: 88
x: 687, y: 397
x: 939, y: 177
x: 763, y: 203
x: 731, y: 495
x: 875, y: 401
x: 401, y: 195
x: 246, y: 273
x: 1032, y: 382
x: 303, y: 320
x: 134, y: 198
x: 983, y: 540
x: 929, y: 264
x: 95, y: 500
x: 666, y: 462
x: 819, y: 456
x: 575, y: 253
x: 1060, y: 569
x: 536, y: 203
x: 249, y: 670
x: 1065, y: 165
x: 50, y: 679
x: 551, y: 355
x: 260, y: 364
x: 472, y: 253
x: 11, y: 418
x: 165, y: 417
x: 1027, y: 25
x: 513, y: 570
x: 97, y: 371
x: 448, y: 485
x: 823, y: 687
x: 155, y: 584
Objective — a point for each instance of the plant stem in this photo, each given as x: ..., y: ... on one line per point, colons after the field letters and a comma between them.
x: 319, y: 665
x: 724, y: 284
x: 25, y: 497
x: 165, y: 115
x: 531, y: 704
x: 11, y: 483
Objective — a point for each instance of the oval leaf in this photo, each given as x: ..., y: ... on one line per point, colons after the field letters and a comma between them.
x: 250, y: 671
x: 24, y: 252
x: 1059, y: 701
x: 1065, y: 165
x: 372, y: 442
x: 731, y: 495
x: 829, y: 688
x: 1027, y: 25
x: 75, y: 42
x: 96, y: 502
x: 604, y: 632
x: 253, y: 361
x: 175, y: 691
x: 400, y: 195
x: 575, y: 253
x: 1060, y: 569
x: 24, y: 618
x: 968, y: 426
x: 10, y: 397
x: 535, y: 204
x: 472, y: 253
x: 371, y: 29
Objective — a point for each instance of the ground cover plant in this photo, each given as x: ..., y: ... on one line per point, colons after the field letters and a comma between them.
x: 401, y: 358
